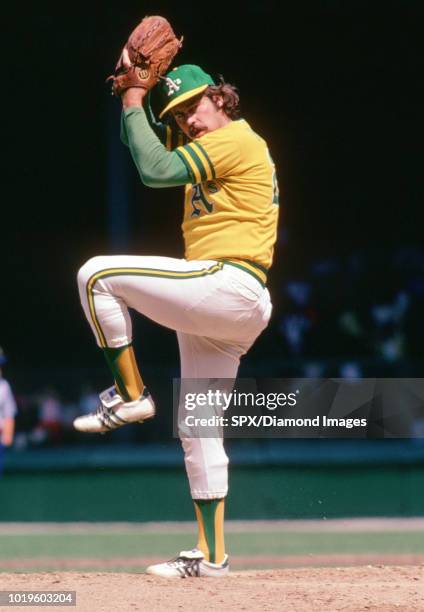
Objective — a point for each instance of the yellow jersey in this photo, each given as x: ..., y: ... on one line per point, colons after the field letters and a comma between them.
x: 231, y: 205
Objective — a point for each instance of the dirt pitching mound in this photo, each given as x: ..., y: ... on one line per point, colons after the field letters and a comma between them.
x: 369, y: 588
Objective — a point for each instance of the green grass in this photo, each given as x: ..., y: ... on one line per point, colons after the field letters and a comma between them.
x: 253, y: 543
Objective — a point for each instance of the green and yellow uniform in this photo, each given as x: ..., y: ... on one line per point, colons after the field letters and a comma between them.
x: 231, y: 208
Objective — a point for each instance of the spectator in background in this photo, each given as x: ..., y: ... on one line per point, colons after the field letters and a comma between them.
x: 88, y: 401
x: 298, y: 318
x: 7, y: 412
x: 49, y: 427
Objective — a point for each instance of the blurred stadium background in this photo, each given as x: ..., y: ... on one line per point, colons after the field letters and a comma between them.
x: 333, y: 88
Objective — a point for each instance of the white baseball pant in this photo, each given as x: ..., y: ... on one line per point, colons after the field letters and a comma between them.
x: 217, y: 311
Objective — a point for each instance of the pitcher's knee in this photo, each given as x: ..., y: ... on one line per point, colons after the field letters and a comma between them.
x: 203, y: 453
x: 90, y: 267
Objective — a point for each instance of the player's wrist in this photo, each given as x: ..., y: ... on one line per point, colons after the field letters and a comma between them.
x: 133, y: 96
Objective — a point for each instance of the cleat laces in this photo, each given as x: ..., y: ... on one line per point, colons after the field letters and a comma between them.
x: 186, y: 567
x: 108, y: 418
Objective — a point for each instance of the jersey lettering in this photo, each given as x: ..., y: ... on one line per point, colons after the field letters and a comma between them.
x: 198, y: 197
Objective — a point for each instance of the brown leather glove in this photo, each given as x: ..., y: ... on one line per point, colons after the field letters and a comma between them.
x: 147, y: 55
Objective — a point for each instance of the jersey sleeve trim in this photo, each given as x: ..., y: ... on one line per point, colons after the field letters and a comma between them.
x: 194, y: 163
x: 201, y: 150
x: 199, y: 160
x: 180, y: 153
x: 199, y: 163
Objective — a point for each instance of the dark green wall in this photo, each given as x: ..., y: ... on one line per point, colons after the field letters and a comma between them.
x: 148, y: 494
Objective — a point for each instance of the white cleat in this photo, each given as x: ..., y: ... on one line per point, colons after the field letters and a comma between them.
x: 113, y: 412
x: 190, y: 564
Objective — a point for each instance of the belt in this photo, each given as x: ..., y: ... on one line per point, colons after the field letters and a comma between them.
x: 251, y: 267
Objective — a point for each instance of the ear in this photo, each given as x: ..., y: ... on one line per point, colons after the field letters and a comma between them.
x: 219, y: 101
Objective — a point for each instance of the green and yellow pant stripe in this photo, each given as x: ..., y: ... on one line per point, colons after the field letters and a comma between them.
x: 137, y: 272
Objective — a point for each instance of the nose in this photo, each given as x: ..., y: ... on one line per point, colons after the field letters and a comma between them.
x: 190, y: 118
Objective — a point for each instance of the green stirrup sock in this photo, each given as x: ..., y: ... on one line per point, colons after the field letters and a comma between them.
x: 112, y: 359
x: 210, y: 517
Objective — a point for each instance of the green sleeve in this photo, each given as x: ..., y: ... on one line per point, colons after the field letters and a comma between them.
x: 124, y: 137
x: 157, y: 166
x: 171, y: 138
x: 159, y: 128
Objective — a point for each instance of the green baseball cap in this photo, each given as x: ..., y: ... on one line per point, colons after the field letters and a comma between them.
x: 181, y: 84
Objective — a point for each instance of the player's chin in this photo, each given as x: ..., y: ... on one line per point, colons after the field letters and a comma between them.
x: 199, y: 133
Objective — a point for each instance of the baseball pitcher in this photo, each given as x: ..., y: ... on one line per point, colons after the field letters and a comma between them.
x: 215, y: 297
